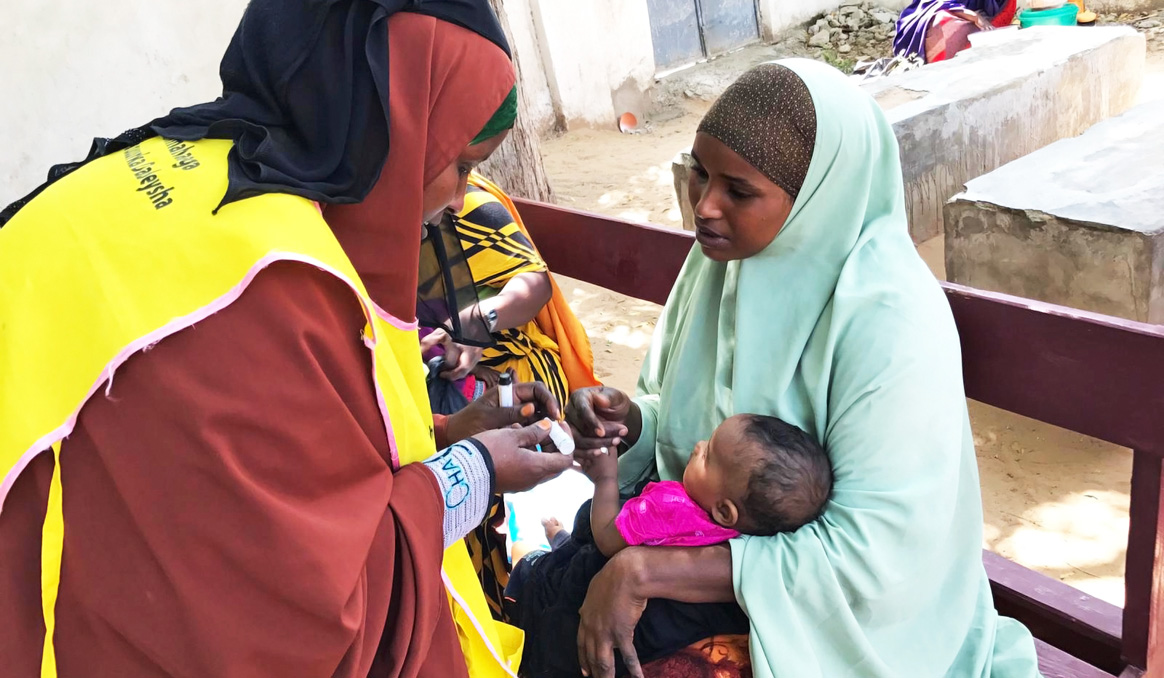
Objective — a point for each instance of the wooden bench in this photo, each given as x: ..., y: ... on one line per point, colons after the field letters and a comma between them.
x: 1092, y: 374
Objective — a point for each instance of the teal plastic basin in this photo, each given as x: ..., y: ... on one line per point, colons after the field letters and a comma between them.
x: 1060, y: 16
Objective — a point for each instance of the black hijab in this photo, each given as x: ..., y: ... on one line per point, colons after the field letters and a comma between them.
x: 305, y: 98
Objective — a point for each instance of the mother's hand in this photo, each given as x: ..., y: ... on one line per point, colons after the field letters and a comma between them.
x: 603, y: 416
x: 619, y: 593
x: 613, y: 607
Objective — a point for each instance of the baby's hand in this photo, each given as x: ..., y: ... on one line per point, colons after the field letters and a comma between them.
x: 598, y: 464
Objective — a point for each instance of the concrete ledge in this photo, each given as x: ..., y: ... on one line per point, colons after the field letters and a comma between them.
x: 1124, y: 6
x: 1079, y: 223
x: 1013, y: 93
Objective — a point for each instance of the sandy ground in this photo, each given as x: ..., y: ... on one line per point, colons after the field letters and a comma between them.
x: 1055, y: 501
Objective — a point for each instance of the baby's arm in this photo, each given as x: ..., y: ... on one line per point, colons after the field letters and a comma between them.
x: 602, y: 469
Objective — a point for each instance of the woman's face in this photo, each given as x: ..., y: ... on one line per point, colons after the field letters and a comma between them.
x: 738, y: 210
x: 447, y: 190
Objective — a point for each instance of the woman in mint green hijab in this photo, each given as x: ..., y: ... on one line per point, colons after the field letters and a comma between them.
x: 806, y: 300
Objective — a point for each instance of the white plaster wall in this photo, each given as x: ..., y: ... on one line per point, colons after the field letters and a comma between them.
x: 71, y: 71
x: 534, y: 86
x: 591, y: 50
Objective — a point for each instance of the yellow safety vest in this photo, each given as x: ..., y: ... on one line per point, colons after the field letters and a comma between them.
x: 135, y: 231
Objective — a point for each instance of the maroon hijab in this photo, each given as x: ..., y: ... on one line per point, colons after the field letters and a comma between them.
x: 446, y: 83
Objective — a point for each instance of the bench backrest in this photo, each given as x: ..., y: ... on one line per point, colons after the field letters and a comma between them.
x: 1099, y: 376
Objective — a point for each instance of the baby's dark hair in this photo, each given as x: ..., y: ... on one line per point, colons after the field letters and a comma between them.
x: 791, y: 478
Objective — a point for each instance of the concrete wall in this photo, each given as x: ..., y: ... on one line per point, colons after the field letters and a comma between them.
x: 1124, y: 5
x: 1037, y: 256
x: 71, y: 71
x: 1013, y: 93
x: 1077, y: 223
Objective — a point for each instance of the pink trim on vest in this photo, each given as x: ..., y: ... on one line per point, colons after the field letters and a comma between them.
x: 393, y: 320
x: 370, y: 342
x: 178, y: 324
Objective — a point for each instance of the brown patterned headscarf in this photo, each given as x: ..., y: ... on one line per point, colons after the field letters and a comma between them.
x: 768, y: 118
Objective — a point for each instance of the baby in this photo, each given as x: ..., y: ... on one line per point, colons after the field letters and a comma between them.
x: 756, y: 475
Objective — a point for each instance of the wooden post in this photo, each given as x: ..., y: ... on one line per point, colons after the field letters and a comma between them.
x: 1144, y: 577
x: 1142, y: 562
x: 517, y: 166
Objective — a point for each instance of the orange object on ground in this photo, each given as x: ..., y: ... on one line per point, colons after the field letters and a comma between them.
x: 627, y: 122
x: 1086, y: 16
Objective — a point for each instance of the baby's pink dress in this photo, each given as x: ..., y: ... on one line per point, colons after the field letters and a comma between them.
x: 663, y: 515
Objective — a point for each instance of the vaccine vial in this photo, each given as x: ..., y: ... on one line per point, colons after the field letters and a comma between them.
x: 562, y: 440
x: 505, y: 390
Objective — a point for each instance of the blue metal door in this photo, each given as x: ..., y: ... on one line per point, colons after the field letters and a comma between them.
x: 728, y: 24
x: 674, y: 32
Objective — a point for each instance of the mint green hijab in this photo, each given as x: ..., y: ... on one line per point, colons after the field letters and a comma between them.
x: 838, y: 327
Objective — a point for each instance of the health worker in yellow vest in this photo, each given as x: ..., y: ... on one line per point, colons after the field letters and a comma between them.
x: 216, y: 452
